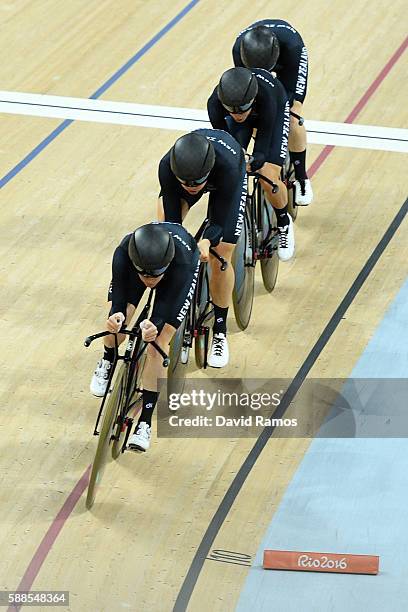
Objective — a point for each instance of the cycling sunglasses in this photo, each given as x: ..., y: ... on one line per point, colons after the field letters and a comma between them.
x: 152, y: 273
x: 239, y: 110
x: 194, y: 183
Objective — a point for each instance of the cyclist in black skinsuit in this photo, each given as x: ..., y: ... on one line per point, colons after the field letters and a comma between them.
x: 208, y: 161
x: 275, y: 45
x: 163, y: 256
x: 245, y: 101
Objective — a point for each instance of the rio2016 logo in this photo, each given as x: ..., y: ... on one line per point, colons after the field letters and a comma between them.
x: 322, y: 563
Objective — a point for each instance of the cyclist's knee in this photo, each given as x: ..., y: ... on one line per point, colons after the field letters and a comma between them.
x: 272, y: 172
x: 297, y: 109
x: 163, y: 339
x: 225, y: 250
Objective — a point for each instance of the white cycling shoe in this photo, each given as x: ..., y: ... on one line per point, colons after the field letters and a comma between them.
x: 100, y: 378
x: 303, y: 192
x: 219, y: 355
x: 286, y: 246
x: 140, y: 440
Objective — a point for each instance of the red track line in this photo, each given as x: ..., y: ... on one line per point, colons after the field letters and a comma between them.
x: 360, y: 105
x: 61, y: 518
x: 51, y: 535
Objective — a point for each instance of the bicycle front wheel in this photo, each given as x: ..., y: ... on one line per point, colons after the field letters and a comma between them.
x: 112, y: 408
x: 129, y: 407
x: 244, y: 268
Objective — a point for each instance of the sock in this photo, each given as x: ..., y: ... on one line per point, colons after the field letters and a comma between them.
x: 109, y: 353
x: 149, y: 403
x: 282, y: 216
x: 298, y: 160
x: 220, y: 320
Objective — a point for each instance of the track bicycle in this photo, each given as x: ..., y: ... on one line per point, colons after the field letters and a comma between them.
x: 121, y: 401
x: 258, y: 242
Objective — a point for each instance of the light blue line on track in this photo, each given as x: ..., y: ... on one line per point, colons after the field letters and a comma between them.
x: 53, y: 135
x: 348, y: 495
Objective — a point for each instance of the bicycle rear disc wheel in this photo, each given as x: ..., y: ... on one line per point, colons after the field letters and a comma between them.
x: 270, y: 260
x: 244, y: 267
x: 105, y: 437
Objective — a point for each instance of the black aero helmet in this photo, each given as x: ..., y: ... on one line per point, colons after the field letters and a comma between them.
x: 192, y: 158
x: 259, y: 48
x: 237, y: 89
x: 151, y: 249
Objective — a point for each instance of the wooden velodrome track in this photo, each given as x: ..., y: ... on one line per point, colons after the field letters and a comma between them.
x: 61, y: 218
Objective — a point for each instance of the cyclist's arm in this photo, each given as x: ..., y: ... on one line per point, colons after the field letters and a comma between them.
x: 120, y: 274
x: 267, y: 115
x: 169, y: 193
x: 175, y: 294
x: 216, y: 112
x: 227, y: 204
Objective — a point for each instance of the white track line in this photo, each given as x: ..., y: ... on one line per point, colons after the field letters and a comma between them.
x: 185, y: 119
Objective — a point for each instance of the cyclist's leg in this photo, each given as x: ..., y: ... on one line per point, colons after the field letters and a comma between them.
x: 153, y: 370
x: 173, y: 297
x: 295, y: 83
x: 297, y: 137
x: 279, y: 200
x: 230, y: 216
x: 221, y: 284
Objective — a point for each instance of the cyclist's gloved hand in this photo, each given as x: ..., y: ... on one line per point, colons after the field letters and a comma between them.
x: 213, y: 233
x: 149, y: 330
x: 204, y: 248
x: 257, y: 162
x: 114, y: 323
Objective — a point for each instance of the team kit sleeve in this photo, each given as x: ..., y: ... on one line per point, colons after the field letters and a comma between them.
x: 216, y: 112
x: 120, y: 273
x: 169, y: 193
x: 267, y: 114
x: 173, y: 298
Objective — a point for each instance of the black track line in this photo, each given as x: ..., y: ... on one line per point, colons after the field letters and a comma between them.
x: 220, y: 515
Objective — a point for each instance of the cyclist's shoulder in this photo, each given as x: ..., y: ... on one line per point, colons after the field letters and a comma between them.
x: 284, y: 31
x: 227, y: 149
x: 262, y: 22
x: 182, y: 238
x: 123, y: 244
x: 268, y: 85
x: 165, y: 161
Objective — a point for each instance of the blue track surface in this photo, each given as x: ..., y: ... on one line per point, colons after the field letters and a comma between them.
x: 348, y: 495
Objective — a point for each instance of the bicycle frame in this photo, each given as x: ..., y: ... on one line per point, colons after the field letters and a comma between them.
x: 130, y: 356
x: 255, y: 221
